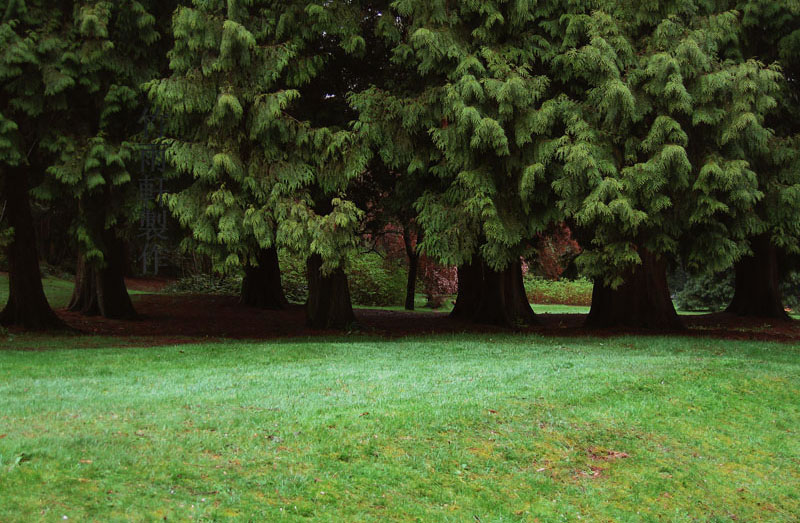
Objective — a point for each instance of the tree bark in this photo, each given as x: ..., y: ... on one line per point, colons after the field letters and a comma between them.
x: 757, y: 283
x: 493, y: 297
x: 642, y: 301
x: 261, y: 286
x: 413, y: 267
x: 27, y: 304
x: 470, y: 285
x: 328, y: 305
x: 101, y: 290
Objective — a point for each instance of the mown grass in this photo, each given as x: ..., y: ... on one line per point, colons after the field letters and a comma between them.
x: 443, y: 428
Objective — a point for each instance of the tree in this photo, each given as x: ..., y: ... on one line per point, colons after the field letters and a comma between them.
x: 115, y: 47
x: 264, y: 175
x: 654, y: 162
x: 35, y: 74
x: 476, y: 74
x: 770, y: 32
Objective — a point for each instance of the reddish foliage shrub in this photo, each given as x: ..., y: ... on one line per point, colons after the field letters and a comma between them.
x: 438, y: 281
x: 556, y: 249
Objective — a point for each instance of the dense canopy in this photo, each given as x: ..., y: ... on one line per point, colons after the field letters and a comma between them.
x: 663, y: 134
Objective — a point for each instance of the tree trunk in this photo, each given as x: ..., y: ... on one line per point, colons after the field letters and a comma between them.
x: 261, y: 286
x: 642, y: 301
x: 493, y: 297
x: 470, y: 285
x: 757, y: 283
x: 84, y: 295
x: 328, y: 305
x: 27, y: 305
x: 413, y: 267
x: 101, y: 290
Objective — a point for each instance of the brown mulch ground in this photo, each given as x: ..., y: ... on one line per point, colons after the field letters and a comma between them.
x: 169, y: 319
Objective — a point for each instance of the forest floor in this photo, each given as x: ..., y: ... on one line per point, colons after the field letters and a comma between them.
x: 181, y: 318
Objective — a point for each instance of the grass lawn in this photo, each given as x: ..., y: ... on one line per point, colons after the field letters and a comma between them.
x: 445, y: 428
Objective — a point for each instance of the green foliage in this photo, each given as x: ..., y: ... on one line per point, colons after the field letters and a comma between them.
x: 559, y: 292
x: 714, y: 292
x: 705, y: 292
x: 213, y: 284
x: 791, y: 291
x: 71, y: 99
x: 293, y: 277
x: 254, y: 168
x: 375, y: 281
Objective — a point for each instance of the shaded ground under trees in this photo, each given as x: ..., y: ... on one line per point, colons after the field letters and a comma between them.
x: 166, y: 318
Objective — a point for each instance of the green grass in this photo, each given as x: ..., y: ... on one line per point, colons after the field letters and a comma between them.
x: 543, y: 308
x: 446, y: 428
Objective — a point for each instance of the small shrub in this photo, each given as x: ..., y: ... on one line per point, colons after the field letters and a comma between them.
x: 376, y: 282
x: 206, y: 284
x: 791, y: 291
x: 705, y: 292
x: 438, y: 282
x: 293, y: 277
x: 559, y: 292
x: 555, y: 250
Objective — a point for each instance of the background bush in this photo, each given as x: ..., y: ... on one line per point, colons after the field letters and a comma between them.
x: 206, y: 284
x: 704, y: 292
x: 559, y: 292
x: 713, y: 292
x: 376, y: 281
x: 293, y: 277
x: 791, y: 291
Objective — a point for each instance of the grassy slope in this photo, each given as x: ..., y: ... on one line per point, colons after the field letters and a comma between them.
x: 443, y: 428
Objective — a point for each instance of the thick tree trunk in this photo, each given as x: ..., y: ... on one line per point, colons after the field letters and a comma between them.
x: 470, y: 287
x: 27, y: 305
x: 101, y: 290
x: 261, y: 286
x: 413, y: 267
x: 757, y: 288
x: 328, y: 305
x: 491, y: 297
x: 642, y: 301
x: 84, y: 295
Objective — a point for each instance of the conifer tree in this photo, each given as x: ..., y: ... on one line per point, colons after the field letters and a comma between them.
x: 86, y: 62
x: 464, y: 120
x: 263, y: 174
x: 770, y: 32
x: 117, y: 48
x: 34, y: 75
x: 653, y: 157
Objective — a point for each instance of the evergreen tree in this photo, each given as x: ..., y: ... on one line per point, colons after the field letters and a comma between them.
x: 770, y: 32
x: 263, y: 174
x: 35, y: 71
x: 115, y: 48
x: 654, y: 156
x: 465, y: 120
